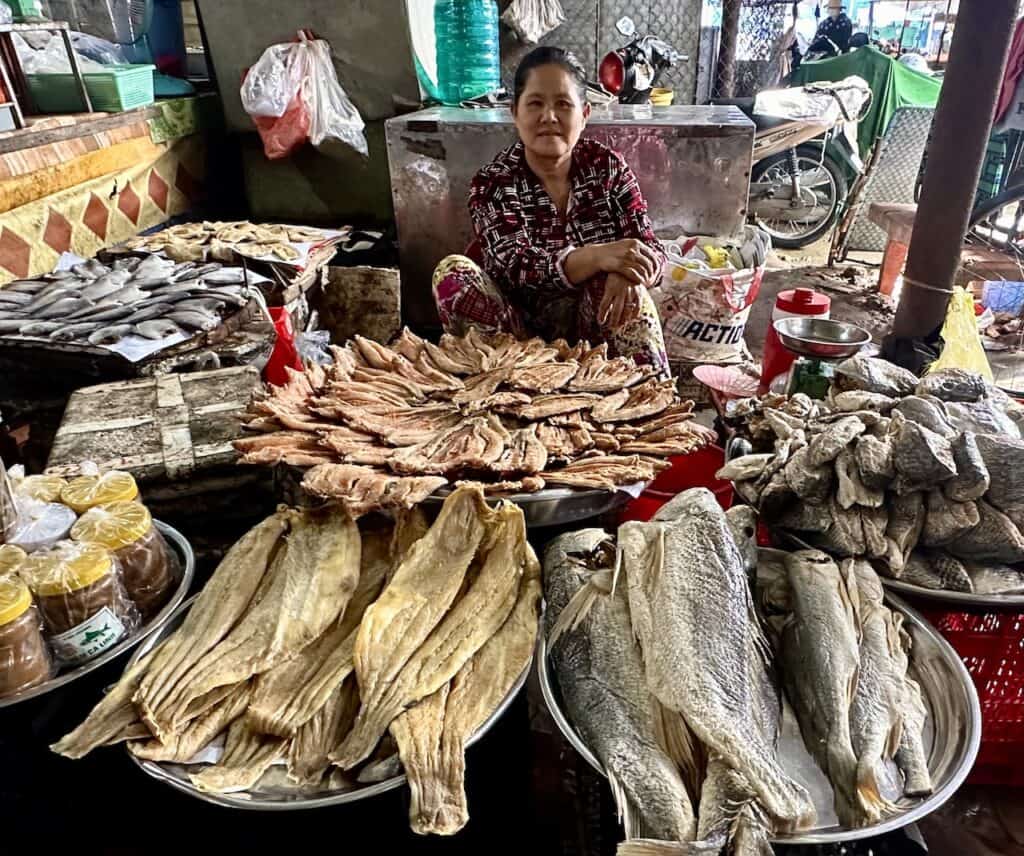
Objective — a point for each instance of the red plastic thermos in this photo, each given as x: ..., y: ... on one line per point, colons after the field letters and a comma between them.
x: 776, y: 359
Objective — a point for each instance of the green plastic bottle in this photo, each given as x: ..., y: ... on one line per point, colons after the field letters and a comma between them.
x: 468, y: 55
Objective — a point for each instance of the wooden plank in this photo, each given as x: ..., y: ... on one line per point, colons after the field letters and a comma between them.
x: 27, y: 138
x: 99, y: 425
x: 168, y: 391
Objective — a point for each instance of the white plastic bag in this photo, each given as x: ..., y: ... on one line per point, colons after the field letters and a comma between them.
x: 705, y: 294
x: 272, y: 82
x: 331, y: 113
x: 533, y: 19
x: 302, y: 68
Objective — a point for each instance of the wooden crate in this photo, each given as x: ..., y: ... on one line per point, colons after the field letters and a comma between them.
x: 174, y: 433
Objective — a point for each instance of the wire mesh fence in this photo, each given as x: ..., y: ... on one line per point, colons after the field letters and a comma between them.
x: 750, y: 62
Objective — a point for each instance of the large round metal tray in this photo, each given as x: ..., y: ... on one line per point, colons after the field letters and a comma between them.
x: 555, y: 506
x: 280, y: 795
x: 183, y: 555
x: 952, y: 731
x: 953, y: 598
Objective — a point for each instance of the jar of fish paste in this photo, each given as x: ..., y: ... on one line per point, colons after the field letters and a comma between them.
x: 127, y: 530
x: 84, y: 605
x: 87, y: 492
x: 24, y: 659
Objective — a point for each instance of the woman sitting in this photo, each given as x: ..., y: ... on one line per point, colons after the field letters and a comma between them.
x: 568, y: 249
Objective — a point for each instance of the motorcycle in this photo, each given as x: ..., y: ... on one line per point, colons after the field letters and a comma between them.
x: 805, y: 157
x: 631, y: 72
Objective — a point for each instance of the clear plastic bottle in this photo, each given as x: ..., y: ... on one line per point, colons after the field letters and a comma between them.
x: 468, y: 55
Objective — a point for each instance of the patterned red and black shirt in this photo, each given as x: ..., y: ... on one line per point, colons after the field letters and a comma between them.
x: 525, y: 240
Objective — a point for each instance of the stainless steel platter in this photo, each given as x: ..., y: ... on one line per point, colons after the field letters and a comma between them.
x: 953, y: 598
x: 952, y: 733
x: 181, y: 553
x: 274, y: 792
x: 555, y: 506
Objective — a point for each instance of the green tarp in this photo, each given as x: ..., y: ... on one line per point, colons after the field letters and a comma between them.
x: 893, y: 85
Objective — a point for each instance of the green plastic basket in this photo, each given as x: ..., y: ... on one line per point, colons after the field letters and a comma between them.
x: 119, y: 87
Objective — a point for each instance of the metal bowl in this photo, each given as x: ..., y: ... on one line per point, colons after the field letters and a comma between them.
x: 952, y: 732
x: 278, y: 794
x: 954, y: 598
x: 817, y: 337
x: 183, y: 555
x: 556, y: 506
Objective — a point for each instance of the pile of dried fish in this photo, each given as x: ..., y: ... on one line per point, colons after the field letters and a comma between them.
x: 921, y: 477
x: 150, y: 297
x: 387, y: 426
x: 666, y: 677
x: 196, y: 242
x: 343, y: 655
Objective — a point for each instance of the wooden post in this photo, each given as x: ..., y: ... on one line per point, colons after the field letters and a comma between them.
x: 725, y: 74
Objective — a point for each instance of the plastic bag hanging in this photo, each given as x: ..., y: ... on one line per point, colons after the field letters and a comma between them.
x: 531, y: 20
x: 962, y: 348
x: 332, y: 113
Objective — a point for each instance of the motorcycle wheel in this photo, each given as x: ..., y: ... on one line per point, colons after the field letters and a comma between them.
x: 827, y: 186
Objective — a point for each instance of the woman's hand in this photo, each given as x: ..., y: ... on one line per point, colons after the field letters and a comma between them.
x: 629, y: 258
x: 620, y: 303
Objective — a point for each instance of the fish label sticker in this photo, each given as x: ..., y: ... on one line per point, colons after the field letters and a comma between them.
x: 91, y: 637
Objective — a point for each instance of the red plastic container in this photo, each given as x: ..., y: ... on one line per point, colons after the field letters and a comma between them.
x: 694, y: 470
x: 776, y: 359
x: 992, y: 647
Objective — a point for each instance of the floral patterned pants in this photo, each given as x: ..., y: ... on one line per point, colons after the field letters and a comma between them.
x: 467, y: 297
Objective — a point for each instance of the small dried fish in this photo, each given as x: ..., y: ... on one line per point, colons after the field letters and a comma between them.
x: 70, y: 332
x: 194, y: 319
x: 110, y: 335
x: 158, y: 328
x: 40, y: 328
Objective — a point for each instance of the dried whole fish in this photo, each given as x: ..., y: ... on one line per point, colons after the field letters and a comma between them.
x: 193, y: 319
x: 875, y: 375
x: 809, y: 483
x: 856, y: 399
x: 745, y: 468
x: 109, y: 335
x: 953, y: 385
x: 929, y: 412
x: 70, y: 332
x: 821, y: 660
x: 947, y: 520
x: 1004, y: 459
x: 874, y: 459
x: 936, y: 569
x: 851, y: 489
x: 995, y: 538
x: 827, y: 445
x: 922, y: 458
x: 62, y: 308
x: 601, y: 676
x: 906, y: 522
x: 158, y: 328
x: 40, y: 328
x: 691, y: 612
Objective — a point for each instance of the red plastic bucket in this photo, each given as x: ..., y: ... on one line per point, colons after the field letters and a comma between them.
x: 694, y: 470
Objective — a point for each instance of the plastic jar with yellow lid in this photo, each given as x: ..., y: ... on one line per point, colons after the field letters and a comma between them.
x: 87, y: 492
x: 81, y: 597
x: 127, y: 530
x: 11, y: 558
x: 24, y: 658
x: 44, y: 488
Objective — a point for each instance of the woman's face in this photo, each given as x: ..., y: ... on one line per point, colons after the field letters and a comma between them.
x: 549, y: 115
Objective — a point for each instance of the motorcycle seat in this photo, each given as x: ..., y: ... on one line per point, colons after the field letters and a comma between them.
x: 761, y: 122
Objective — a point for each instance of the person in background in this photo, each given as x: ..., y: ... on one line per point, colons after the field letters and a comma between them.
x: 565, y: 248
x: 836, y: 28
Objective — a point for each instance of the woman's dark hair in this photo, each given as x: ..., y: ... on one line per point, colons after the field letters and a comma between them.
x: 550, y: 56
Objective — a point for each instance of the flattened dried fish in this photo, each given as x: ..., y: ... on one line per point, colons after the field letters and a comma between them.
x: 473, y: 619
x: 972, y: 478
x: 247, y: 756
x: 1004, y: 460
x: 906, y: 520
x: 310, y: 584
x: 222, y: 602
x: 923, y: 458
x: 412, y: 605
x: 936, y: 569
x: 856, y: 399
x: 308, y: 752
x: 745, y: 468
x: 929, y: 412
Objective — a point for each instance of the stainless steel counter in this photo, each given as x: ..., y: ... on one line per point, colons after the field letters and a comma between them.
x: 693, y: 164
